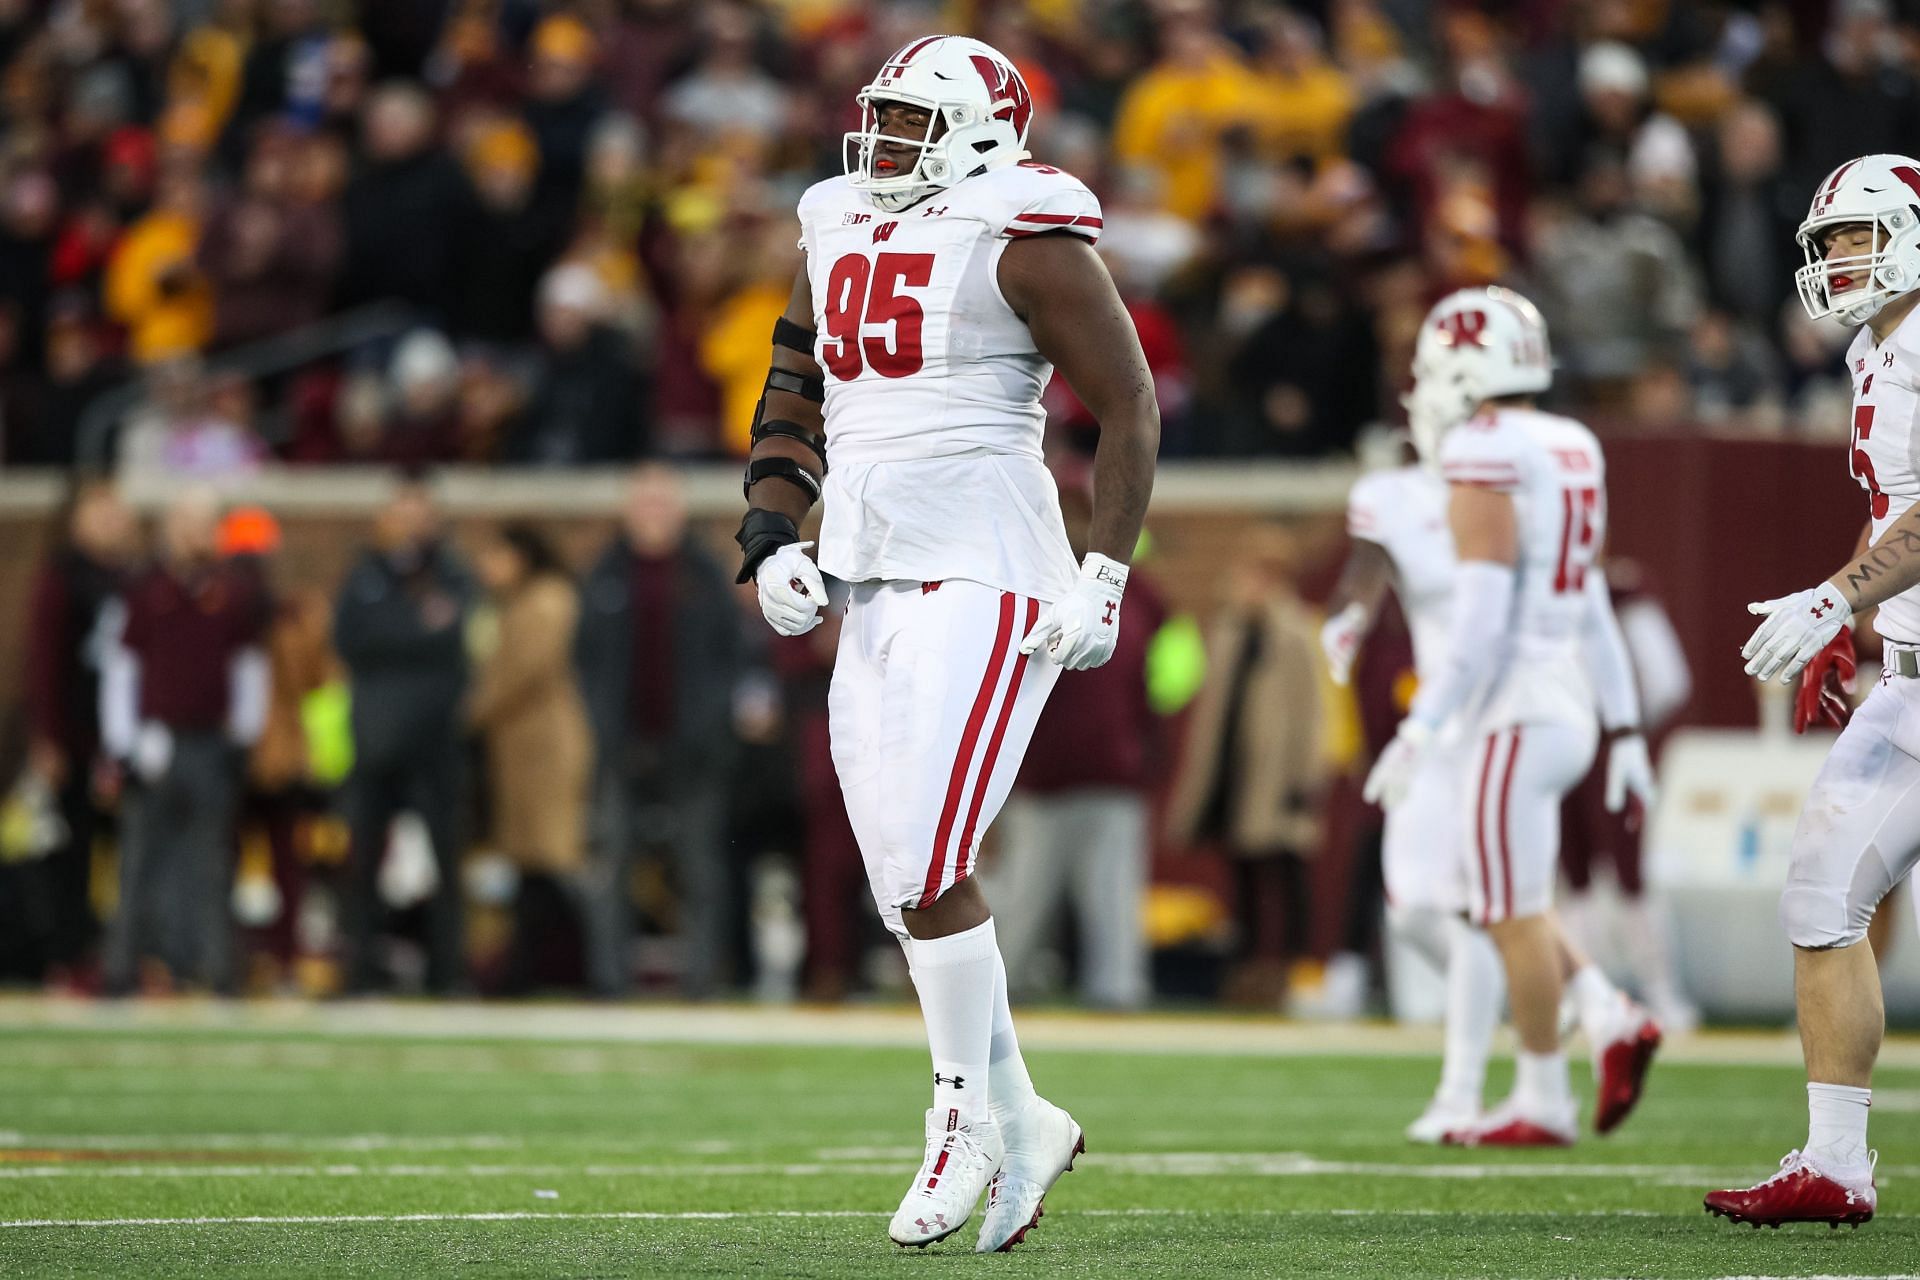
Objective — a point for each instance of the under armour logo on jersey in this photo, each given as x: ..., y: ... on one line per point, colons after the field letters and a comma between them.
x: 933, y: 213
x: 1823, y: 608
x: 1886, y: 361
x: 1464, y: 328
x: 958, y: 1082
x: 884, y: 231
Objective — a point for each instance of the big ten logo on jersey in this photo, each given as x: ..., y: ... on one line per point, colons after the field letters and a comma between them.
x: 865, y: 294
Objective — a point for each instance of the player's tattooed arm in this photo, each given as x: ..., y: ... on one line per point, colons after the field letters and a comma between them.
x: 1886, y: 568
x: 1059, y: 286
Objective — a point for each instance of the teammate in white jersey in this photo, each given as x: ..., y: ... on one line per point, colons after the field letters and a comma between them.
x: 1531, y: 647
x: 1859, y: 834
x: 945, y: 279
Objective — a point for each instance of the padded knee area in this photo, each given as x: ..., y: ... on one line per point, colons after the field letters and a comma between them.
x: 1817, y: 917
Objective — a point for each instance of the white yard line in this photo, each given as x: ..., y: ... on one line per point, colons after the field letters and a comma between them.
x: 356, y: 1219
x: 894, y: 1027
x: 1175, y: 1164
x: 13, y: 1138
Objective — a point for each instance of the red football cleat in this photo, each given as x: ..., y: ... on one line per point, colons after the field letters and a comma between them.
x: 1623, y: 1074
x: 1509, y: 1126
x: 1800, y: 1192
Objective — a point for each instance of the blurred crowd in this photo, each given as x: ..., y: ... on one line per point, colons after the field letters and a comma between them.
x: 490, y: 760
x: 578, y: 213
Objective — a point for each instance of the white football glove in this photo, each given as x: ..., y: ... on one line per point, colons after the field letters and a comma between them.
x: 791, y: 590
x: 1392, y: 773
x: 1340, y: 638
x: 1080, y: 629
x: 1796, y: 627
x: 1629, y: 772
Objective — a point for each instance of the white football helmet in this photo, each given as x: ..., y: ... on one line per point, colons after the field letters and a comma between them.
x: 1474, y: 345
x: 969, y: 87
x: 1884, y: 193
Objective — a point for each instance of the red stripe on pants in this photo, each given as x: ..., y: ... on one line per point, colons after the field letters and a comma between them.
x: 956, y: 783
x: 1506, y: 853
x: 993, y: 749
x: 1480, y: 831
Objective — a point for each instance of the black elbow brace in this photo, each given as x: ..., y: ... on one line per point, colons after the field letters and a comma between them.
x: 762, y: 533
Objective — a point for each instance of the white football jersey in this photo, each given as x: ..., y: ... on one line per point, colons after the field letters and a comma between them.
x: 1883, y: 457
x: 1553, y: 469
x: 1404, y: 511
x: 933, y: 417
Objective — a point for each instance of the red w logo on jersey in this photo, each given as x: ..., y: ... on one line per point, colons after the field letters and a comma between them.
x: 884, y: 231
x: 1464, y: 328
x: 1003, y: 82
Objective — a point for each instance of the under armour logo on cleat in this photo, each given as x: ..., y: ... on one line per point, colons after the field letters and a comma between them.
x: 939, y: 1220
x: 958, y: 1082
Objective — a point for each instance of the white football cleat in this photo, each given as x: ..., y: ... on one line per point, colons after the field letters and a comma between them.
x: 1443, y: 1116
x: 959, y: 1162
x: 1516, y: 1123
x: 1041, y: 1145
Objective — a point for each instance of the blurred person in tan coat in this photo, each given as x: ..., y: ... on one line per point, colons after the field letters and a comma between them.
x: 1252, y: 772
x: 527, y: 709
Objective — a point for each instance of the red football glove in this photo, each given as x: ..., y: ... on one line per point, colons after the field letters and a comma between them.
x: 1826, y: 686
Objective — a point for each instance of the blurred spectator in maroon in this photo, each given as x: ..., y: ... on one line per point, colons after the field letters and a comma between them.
x: 1302, y: 377
x: 1745, y: 238
x: 1076, y: 825
x: 1252, y: 771
x: 185, y: 684
x: 399, y: 205
x: 1473, y: 127
x: 587, y: 404
x: 564, y: 100
x: 400, y: 627
x: 421, y: 423
x: 195, y: 427
x: 270, y: 254
x: 660, y: 654
x: 284, y: 794
x: 84, y: 570
x: 646, y: 43
x: 41, y: 414
x: 507, y: 235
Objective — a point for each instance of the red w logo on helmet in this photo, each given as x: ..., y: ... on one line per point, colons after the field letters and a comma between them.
x: 1003, y: 82
x: 1464, y: 328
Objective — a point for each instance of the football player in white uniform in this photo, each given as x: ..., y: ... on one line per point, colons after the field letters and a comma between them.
x: 1531, y: 649
x: 1859, y: 834
x: 946, y: 278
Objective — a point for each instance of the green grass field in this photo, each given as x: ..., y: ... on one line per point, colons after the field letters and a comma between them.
x: 226, y: 1142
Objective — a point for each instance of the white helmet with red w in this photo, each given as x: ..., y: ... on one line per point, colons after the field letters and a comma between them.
x: 1474, y: 345
x: 978, y: 111
x: 1880, y: 192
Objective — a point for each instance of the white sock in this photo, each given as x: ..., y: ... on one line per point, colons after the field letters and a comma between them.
x: 1837, y: 1128
x: 1476, y: 986
x: 1597, y: 1001
x: 1540, y: 1081
x: 1425, y: 930
x: 954, y: 976
x: 1009, y: 1087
